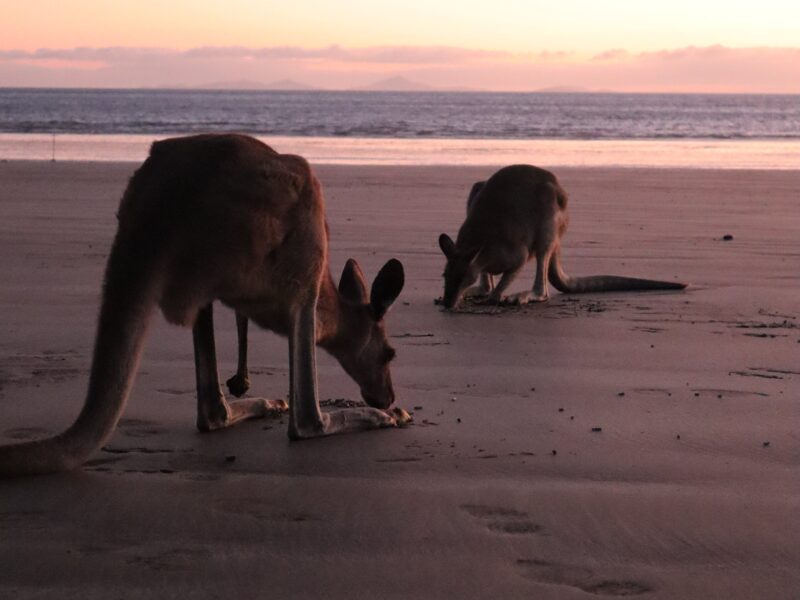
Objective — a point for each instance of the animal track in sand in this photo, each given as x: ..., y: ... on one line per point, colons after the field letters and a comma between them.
x: 25, y: 520
x: 96, y: 463
x: 263, y: 511
x: 139, y: 450
x: 177, y: 559
x: 27, y: 433
x: 648, y: 329
x: 139, y: 428
x: 502, y: 520
x: 33, y: 369
x: 720, y: 392
x: 99, y: 549
x: 580, y: 578
x: 202, y: 477
x: 175, y: 391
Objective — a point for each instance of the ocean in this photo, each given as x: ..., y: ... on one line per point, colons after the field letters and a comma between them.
x: 592, y: 129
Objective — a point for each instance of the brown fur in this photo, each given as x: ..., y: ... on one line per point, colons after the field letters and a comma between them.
x: 518, y: 214
x: 226, y: 217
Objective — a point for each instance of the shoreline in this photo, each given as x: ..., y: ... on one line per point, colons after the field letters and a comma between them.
x: 346, y: 151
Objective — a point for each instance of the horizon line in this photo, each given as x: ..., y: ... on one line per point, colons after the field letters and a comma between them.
x: 367, y: 90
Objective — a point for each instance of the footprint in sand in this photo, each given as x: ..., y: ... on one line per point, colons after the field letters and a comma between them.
x: 202, y: 477
x: 178, y: 559
x: 263, y: 511
x: 502, y: 520
x: 175, y: 391
x: 27, y: 433
x: 99, y: 463
x: 139, y: 428
x: 23, y: 521
x: 580, y: 578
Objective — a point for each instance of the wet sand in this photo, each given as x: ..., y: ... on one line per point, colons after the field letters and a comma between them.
x: 641, y: 444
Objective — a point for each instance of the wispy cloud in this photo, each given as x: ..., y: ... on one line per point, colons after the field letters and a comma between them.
x: 709, y: 68
x: 613, y: 54
x: 376, y: 54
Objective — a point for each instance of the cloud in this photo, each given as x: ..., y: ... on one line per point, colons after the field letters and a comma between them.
x: 613, y: 54
x: 107, y: 54
x: 376, y: 54
x: 690, y: 69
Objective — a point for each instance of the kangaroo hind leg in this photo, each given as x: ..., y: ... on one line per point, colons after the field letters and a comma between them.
x: 486, y: 284
x: 484, y: 287
x: 213, y: 411
x: 539, y: 292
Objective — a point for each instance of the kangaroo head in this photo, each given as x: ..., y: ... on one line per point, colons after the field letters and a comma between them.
x: 364, y: 351
x: 460, y: 272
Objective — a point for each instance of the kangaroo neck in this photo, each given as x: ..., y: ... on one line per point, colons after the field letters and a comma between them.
x: 331, y: 313
x: 471, y: 238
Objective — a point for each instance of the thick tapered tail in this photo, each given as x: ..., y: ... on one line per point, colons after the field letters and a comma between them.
x: 602, y: 283
x: 128, y: 303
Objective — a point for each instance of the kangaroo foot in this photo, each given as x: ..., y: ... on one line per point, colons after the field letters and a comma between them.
x: 476, y: 291
x: 523, y: 298
x: 345, y: 420
x: 401, y: 417
x: 240, y: 410
x: 238, y: 385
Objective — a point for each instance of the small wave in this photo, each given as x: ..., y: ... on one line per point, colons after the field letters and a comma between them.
x: 411, y: 115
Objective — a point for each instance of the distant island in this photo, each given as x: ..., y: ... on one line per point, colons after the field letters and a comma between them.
x: 249, y: 84
x: 390, y: 84
x: 395, y: 84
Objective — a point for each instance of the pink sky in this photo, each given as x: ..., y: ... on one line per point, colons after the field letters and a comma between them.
x: 516, y: 45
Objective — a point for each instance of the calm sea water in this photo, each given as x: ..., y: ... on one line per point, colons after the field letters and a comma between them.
x: 418, y: 127
x: 403, y: 115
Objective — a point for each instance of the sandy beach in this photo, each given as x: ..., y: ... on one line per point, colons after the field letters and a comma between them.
x: 640, y: 444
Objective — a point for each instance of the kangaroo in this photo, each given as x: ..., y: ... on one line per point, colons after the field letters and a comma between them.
x: 225, y: 217
x: 518, y: 214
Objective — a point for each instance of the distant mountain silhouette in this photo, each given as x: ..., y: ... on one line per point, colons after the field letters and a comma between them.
x: 391, y: 84
x: 248, y: 84
x: 564, y: 89
x: 289, y: 84
x: 396, y: 84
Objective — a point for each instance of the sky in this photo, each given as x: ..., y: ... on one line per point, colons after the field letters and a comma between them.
x: 502, y: 45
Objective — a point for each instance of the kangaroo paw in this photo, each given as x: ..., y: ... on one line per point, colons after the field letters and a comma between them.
x: 345, y: 420
x: 523, y: 298
x: 401, y: 416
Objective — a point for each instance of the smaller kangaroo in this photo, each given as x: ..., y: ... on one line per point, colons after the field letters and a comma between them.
x: 518, y: 214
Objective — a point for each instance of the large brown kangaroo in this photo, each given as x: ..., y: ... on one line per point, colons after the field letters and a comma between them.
x: 518, y: 214
x: 226, y: 217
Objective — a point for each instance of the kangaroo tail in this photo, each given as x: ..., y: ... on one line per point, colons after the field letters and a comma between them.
x: 602, y: 283
x: 127, y: 305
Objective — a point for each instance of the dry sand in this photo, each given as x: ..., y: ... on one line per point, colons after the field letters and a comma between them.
x: 501, y: 488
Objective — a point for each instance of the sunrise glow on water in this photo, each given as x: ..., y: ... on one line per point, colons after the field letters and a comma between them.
x: 717, y: 154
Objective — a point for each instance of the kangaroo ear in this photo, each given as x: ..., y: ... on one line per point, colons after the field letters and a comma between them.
x: 352, y: 286
x: 386, y: 287
x: 447, y: 245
